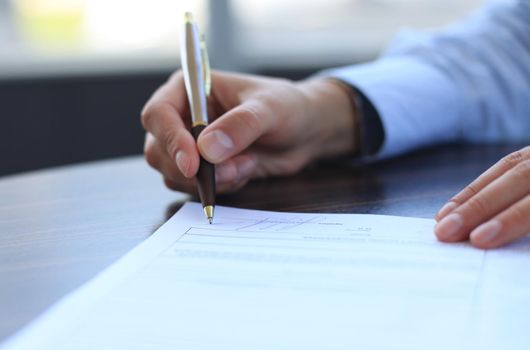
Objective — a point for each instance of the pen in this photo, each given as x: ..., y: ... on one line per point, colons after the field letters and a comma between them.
x: 196, y: 71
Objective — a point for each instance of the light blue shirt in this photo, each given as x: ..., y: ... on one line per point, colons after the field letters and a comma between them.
x: 469, y: 82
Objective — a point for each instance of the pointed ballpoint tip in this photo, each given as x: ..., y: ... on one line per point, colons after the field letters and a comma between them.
x: 208, y: 211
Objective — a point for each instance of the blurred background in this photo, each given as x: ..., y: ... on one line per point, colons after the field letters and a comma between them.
x: 74, y: 74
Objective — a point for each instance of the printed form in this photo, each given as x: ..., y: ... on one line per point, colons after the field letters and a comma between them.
x: 269, y: 280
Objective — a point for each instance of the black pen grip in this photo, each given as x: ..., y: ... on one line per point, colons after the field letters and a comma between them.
x: 205, y: 175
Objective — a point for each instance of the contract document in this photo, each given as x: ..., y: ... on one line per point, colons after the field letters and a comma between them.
x: 269, y: 280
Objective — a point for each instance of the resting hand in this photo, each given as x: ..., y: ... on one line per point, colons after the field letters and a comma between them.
x: 261, y: 127
x: 494, y: 209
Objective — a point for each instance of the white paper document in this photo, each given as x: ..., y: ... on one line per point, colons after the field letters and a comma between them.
x: 268, y: 280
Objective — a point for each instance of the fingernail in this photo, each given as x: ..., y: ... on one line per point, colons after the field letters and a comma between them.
x: 446, y: 209
x: 183, y: 162
x: 216, y: 145
x: 225, y: 173
x: 486, y: 232
x: 449, y: 227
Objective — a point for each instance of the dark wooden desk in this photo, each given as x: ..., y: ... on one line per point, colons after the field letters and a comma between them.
x: 62, y: 226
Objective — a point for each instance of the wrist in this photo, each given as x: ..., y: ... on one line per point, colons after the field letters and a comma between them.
x: 332, y: 108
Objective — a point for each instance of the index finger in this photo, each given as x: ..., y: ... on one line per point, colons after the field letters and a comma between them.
x: 163, y: 115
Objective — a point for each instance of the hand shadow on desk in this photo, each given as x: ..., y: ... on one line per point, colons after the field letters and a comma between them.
x: 325, y: 187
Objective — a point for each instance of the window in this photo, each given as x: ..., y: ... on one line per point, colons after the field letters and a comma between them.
x: 61, y: 37
x: 313, y: 32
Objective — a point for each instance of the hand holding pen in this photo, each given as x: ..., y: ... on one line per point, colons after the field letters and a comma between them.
x: 258, y: 127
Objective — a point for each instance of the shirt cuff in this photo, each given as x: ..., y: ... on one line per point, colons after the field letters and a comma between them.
x: 416, y: 103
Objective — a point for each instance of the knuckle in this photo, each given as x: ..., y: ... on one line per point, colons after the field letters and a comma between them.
x: 146, y: 116
x: 519, y: 214
x: 270, y: 98
x: 477, y: 206
x: 522, y: 170
x: 249, y: 117
x: 468, y: 192
x: 151, y: 157
x: 151, y: 113
x: 513, y: 159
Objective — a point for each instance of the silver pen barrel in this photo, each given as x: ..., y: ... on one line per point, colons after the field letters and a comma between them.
x: 193, y: 68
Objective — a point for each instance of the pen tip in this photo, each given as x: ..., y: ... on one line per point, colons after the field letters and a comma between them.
x: 208, y: 211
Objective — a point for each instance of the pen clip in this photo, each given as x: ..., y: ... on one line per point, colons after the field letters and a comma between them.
x: 205, y: 66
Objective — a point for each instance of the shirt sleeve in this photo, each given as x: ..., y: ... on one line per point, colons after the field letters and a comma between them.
x: 468, y: 82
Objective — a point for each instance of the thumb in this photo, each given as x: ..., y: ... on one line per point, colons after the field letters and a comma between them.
x: 235, y: 130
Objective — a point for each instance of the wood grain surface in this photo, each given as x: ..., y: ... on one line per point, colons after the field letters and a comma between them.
x: 62, y: 226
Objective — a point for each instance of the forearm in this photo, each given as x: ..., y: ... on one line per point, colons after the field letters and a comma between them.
x: 469, y: 82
